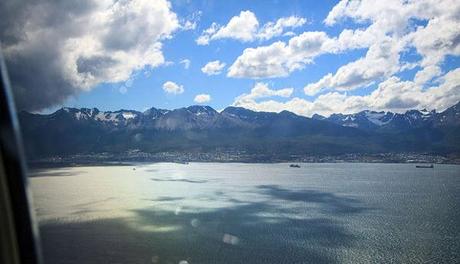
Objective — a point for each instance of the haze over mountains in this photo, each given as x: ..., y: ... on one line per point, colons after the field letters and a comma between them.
x: 202, y: 129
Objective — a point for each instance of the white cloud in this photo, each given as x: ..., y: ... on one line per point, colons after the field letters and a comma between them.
x: 242, y: 27
x: 191, y: 21
x: 388, y: 31
x: 426, y: 74
x: 204, y: 38
x: 289, y: 34
x: 381, y: 61
x: 391, y: 95
x: 73, y: 47
x: 189, y: 25
x: 279, y: 59
x: 390, y: 13
x: 245, y: 27
x: 186, y: 63
x: 261, y: 90
x: 213, y: 67
x: 167, y: 63
x: 439, y: 38
x: 446, y: 94
x: 96, y: 42
x: 337, y: 11
x: 202, y: 98
x: 274, y: 29
x: 173, y: 88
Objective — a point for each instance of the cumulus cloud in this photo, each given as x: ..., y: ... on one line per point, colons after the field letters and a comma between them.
x: 186, y: 63
x: 439, y: 38
x: 387, y: 38
x: 173, y: 88
x: 392, y: 94
x: 54, y: 50
x: 426, y: 74
x: 260, y: 90
x: 241, y: 27
x: 385, y: 28
x: 279, y: 59
x: 202, y: 98
x: 381, y: 61
x: 245, y: 27
x: 213, y: 67
x: 274, y: 29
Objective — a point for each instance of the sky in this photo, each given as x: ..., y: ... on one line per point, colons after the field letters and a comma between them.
x: 302, y: 56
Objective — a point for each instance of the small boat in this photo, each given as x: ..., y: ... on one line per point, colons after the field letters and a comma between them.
x: 294, y: 166
x: 425, y: 166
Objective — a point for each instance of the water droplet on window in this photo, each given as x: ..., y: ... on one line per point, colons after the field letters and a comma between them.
x: 155, y: 259
x: 230, y: 239
x: 195, y: 222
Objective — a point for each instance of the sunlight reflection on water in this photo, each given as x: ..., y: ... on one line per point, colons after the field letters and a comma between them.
x: 249, y: 213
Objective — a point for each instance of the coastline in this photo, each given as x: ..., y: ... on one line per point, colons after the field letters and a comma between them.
x: 181, y: 158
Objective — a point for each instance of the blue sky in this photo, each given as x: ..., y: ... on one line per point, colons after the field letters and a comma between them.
x: 147, y: 91
x: 384, y: 51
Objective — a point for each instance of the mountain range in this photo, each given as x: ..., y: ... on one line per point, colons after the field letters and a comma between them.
x: 70, y: 131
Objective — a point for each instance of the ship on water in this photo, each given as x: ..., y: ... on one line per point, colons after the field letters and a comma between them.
x: 424, y: 166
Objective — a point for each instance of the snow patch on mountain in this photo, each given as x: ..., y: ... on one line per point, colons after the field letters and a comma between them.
x: 378, y: 118
x: 128, y: 115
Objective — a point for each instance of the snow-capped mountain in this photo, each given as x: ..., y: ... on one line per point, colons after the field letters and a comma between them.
x: 71, y: 130
x: 115, y: 118
x: 372, y: 120
x: 198, y: 116
x: 363, y: 120
x: 192, y: 117
x: 449, y: 117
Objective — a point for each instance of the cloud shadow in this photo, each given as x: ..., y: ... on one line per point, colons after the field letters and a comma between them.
x: 178, y: 180
x: 269, y: 231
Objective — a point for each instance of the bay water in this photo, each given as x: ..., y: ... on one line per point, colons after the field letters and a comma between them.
x: 249, y: 213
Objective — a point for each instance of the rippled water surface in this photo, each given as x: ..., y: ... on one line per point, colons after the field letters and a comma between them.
x: 249, y: 213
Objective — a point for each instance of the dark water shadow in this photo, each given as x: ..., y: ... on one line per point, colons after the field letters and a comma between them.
x: 55, y: 173
x: 166, y: 199
x: 267, y: 231
x: 330, y: 202
x: 178, y: 180
x: 94, y: 202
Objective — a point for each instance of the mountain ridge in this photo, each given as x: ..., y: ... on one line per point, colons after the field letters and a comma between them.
x: 201, y: 128
x: 197, y: 109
